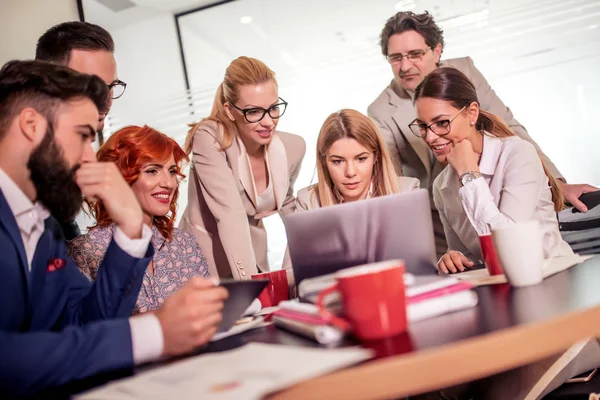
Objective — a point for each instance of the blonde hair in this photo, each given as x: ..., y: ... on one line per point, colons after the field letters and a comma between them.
x: 242, y: 71
x: 352, y: 124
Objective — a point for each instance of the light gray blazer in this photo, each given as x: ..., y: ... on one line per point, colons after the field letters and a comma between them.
x: 514, y: 188
x: 393, y: 110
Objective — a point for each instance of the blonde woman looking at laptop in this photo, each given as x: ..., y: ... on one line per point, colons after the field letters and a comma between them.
x: 352, y: 164
x: 242, y: 170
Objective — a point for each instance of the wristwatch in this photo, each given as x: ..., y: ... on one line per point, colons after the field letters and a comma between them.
x: 469, y: 177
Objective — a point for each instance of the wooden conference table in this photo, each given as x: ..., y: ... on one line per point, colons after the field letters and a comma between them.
x: 510, y: 327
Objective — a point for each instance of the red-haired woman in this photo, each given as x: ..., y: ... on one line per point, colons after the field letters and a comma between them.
x: 151, y: 163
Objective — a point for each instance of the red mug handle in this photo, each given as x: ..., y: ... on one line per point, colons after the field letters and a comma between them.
x: 327, y: 315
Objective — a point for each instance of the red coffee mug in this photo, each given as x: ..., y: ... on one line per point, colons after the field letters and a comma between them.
x: 488, y: 252
x: 276, y: 290
x: 374, y: 300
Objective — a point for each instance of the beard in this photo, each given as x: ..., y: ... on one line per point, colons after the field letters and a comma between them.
x: 54, y: 181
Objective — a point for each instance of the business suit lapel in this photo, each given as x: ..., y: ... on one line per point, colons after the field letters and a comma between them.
x: 9, y: 223
x: 49, y: 289
x: 403, y: 114
x: 43, y: 254
x: 278, y: 174
x: 242, y: 166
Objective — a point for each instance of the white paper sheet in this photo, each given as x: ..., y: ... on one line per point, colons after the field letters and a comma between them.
x: 248, y: 372
x: 441, y: 305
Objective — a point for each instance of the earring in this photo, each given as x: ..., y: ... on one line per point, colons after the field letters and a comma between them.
x: 472, y: 123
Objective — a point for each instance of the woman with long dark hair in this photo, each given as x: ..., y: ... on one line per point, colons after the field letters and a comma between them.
x: 493, y: 177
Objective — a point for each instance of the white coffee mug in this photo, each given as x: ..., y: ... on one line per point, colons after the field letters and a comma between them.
x: 519, y: 248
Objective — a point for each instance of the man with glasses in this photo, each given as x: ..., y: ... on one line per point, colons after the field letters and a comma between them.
x: 413, y: 45
x: 88, y: 49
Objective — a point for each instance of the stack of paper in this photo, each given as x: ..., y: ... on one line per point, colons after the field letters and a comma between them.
x: 431, y: 296
x: 248, y: 372
x: 304, y: 319
x: 426, y: 297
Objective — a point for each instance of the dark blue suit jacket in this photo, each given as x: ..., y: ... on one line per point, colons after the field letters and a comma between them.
x: 56, y: 326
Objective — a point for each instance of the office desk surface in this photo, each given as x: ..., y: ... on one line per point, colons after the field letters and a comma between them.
x: 509, y: 327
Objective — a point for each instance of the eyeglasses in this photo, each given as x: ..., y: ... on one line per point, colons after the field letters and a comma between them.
x: 413, y: 56
x: 440, y: 128
x: 117, y: 88
x: 256, y: 114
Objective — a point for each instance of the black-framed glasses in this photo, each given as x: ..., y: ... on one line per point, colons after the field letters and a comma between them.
x: 117, y: 88
x: 412, y: 56
x: 256, y: 114
x: 440, y: 128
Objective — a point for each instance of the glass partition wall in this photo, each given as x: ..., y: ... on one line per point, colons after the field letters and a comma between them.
x: 541, y: 57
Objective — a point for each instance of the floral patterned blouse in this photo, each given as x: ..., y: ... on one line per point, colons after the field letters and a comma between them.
x: 174, y: 262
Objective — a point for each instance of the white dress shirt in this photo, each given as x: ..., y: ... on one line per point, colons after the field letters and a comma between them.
x: 146, y: 332
x: 513, y: 188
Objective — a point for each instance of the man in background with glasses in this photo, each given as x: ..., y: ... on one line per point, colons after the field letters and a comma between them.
x: 413, y: 45
x: 88, y: 49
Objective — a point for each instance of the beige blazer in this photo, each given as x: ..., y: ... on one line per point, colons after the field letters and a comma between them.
x: 306, y: 198
x: 513, y: 188
x: 221, y: 210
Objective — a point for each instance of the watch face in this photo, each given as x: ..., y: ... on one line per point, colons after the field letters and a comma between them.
x: 469, y: 177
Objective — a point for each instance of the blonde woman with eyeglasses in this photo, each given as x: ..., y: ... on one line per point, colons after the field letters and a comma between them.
x: 242, y: 170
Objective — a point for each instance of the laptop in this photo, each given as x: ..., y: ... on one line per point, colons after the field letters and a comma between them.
x: 328, y: 239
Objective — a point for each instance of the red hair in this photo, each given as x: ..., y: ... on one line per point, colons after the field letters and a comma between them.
x: 130, y: 148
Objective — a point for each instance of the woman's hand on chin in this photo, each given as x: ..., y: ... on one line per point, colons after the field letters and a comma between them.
x: 462, y: 158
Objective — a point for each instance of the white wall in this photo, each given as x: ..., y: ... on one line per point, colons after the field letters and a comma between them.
x: 148, y: 60
x: 540, y: 57
x: 22, y: 22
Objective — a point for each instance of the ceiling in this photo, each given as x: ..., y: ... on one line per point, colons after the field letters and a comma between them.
x: 174, y: 6
x: 299, y: 36
x: 114, y: 14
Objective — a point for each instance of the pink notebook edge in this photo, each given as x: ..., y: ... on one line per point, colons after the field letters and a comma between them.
x: 300, y: 317
x: 455, y: 288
